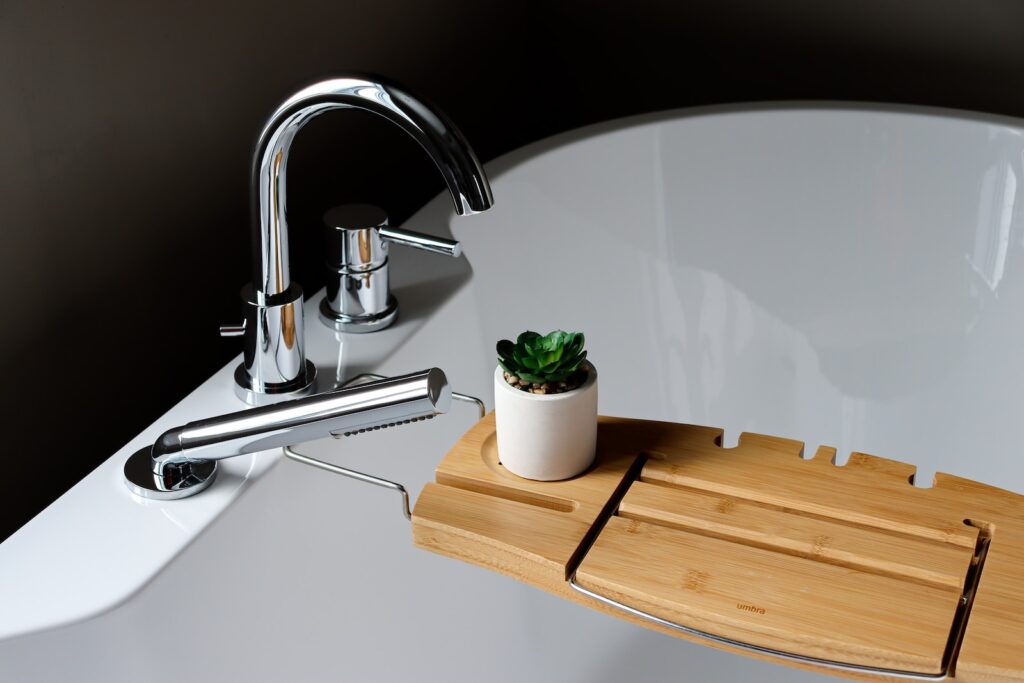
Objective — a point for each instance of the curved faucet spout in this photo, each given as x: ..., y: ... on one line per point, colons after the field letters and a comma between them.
x: 428, y: 126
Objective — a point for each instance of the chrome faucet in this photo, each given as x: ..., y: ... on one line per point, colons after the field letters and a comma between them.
x: 274, y: 365
x: 183, y: 460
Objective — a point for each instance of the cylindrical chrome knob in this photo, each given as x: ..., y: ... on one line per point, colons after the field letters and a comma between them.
x: 354, y: 241
x: 358, y: 289
x: 358, y: 293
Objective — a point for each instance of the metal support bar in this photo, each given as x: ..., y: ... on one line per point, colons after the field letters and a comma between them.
x: 353, y: 474
x: 362, y: 476
x: 757, y: 649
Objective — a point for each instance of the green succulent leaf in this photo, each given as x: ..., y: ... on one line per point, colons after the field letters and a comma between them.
x: 553, y: 357
x: 526, y: 337
x: 505, y: 350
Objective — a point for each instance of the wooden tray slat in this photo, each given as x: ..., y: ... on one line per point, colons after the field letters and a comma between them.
x: 771, y: 599
x: 921, y: 560
x: 868, y: 490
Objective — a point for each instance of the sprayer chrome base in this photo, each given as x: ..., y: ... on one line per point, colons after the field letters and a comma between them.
x: 176, y: 481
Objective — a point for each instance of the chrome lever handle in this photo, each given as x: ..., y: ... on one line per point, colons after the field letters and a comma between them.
x: 417, y: 240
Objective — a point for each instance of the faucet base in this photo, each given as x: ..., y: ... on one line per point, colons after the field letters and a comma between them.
x: 176, y: 481
x: 370, y: 322
x: 274, y: 393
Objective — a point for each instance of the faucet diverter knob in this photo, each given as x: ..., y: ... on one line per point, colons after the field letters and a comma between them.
x: 358, y: 290
x: 233, y: 330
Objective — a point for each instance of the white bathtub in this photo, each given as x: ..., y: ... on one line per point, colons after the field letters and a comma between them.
x: 844, y: 276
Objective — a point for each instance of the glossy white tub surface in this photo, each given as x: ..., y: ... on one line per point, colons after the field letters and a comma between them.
x: 849, y: 276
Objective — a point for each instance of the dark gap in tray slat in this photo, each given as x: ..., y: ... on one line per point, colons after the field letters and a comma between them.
x: 610, y: 509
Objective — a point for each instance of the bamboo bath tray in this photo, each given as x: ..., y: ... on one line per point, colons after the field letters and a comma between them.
x: 849, y: 570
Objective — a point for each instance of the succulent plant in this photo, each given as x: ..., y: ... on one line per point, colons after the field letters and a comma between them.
x: 536, y: 359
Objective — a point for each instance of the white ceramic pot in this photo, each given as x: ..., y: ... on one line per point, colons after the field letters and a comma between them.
x: 546, y: 436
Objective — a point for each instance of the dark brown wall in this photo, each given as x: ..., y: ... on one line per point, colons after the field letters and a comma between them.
x: 126, y: 129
